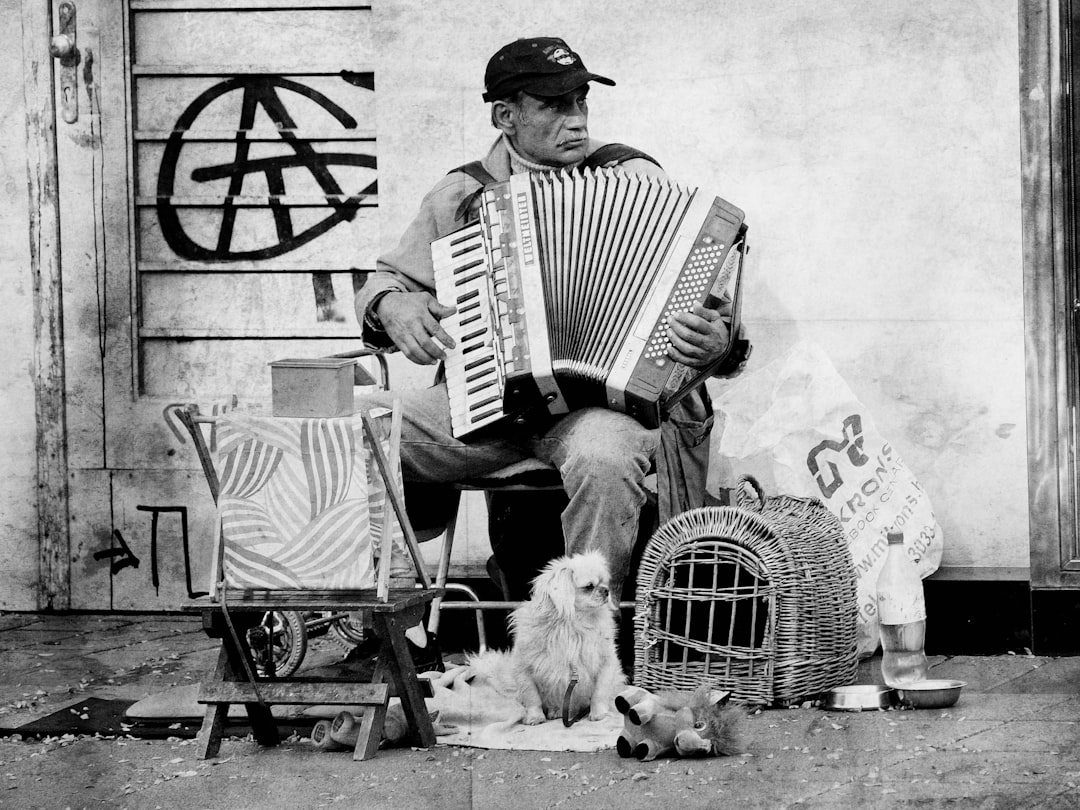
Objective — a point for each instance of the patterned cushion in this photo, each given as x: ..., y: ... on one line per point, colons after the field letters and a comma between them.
x: 295, y: 502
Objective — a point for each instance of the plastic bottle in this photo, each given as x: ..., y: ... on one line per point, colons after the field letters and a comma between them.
x: 902, y: 613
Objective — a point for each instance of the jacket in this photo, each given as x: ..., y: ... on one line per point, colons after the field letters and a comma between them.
x: 682, y: 460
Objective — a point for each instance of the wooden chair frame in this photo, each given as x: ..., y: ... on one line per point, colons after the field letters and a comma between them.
x: 231, y: 612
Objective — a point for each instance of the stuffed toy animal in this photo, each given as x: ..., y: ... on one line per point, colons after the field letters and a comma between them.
x: 684, y: 724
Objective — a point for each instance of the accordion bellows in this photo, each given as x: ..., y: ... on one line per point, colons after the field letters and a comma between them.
x: 565, y: 286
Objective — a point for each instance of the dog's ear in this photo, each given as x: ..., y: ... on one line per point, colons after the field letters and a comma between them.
x: 555, y: 587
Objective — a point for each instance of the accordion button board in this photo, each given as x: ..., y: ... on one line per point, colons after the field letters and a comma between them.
x: 565, y: 288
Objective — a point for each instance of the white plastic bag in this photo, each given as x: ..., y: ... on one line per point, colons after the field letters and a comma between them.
x: 796, y: 426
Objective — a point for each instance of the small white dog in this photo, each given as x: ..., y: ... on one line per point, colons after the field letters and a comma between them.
x: 565, y: 632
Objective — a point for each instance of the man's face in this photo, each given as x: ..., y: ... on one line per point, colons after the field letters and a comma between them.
x: 552, y: 131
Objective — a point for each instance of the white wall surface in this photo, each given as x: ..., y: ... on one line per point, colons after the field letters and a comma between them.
x: 874, y: 146
x: 875, y: 149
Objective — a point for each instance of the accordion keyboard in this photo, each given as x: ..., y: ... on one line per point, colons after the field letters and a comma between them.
x: 475, y: 370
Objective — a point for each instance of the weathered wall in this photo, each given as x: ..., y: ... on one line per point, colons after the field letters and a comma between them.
x: 875, y: 149
x: 18, y: 514
x: 873, y: 145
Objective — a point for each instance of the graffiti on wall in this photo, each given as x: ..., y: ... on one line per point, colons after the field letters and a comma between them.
x: 268, y: 95
x: 122, y: 556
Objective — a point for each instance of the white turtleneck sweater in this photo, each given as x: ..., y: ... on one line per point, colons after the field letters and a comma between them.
x: 519, y: 164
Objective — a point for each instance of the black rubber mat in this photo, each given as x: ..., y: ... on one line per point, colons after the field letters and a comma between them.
x: 106, y: 717
x: 90, y: 716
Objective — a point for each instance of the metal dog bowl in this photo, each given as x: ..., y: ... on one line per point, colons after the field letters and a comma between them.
x: 857, y: 698
x: 929, y: 694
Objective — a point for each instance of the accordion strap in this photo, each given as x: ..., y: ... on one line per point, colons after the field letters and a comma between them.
x: 612, y: 154
x: 476, y: 171
x: 466, y: 210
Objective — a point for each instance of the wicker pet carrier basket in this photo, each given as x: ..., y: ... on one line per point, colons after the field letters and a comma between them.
x: 758, y: 599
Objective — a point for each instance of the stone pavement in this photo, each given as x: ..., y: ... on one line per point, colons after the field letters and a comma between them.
x: 1010, y: 742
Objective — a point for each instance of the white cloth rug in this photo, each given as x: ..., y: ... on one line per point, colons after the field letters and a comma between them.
x: 469, y: 715
x: 484, y: 718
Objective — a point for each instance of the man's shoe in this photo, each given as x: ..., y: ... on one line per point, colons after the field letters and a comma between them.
x: 428, y: 658
x: 361, y: 659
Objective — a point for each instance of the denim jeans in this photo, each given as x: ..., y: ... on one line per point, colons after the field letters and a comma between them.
x: 602, y: 455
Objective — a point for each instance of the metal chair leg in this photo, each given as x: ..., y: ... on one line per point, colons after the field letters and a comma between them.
x: 443, y: 570
x: 481, y: 635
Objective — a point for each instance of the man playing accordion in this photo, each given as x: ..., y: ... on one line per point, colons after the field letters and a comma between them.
x: 538, y: 89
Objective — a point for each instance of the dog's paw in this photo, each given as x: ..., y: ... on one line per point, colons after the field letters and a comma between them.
x: 534, y: 716
x: 598, y: 714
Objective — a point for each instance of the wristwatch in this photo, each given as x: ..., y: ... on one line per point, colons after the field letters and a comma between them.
x: 371, y: 317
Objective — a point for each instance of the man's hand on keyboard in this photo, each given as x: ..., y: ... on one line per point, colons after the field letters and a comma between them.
x: 411, y: 319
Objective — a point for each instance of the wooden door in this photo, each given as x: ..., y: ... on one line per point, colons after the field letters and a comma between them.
x: 218, y: 197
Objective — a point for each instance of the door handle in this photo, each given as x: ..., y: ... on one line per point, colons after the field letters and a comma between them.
x: 63, y: 46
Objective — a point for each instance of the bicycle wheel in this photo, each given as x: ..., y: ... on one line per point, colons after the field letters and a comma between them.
x: 348, y: 630
x: 288, y: 642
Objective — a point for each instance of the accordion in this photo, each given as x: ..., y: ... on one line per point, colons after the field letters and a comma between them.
x: 564, y: 287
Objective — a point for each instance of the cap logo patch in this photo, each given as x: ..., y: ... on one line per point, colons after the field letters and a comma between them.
x: 561, y: 56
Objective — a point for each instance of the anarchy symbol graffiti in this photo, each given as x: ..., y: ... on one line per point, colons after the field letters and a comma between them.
x: 263, y: 92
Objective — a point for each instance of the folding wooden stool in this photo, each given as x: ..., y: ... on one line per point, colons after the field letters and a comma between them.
x: 232, y: 612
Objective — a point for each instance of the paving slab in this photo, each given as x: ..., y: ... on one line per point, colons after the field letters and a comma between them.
x: 1052, y: 675
x: 975, y: 705
x: 1010, y: 742
x: 165, y: 775
x: 12, y: 620
x: 1054, y: 707
x: 30, y: 637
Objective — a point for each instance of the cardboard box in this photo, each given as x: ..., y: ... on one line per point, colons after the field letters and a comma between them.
x: 312, y: 387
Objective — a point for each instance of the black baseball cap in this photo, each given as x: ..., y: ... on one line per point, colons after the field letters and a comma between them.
x: 541, y: 66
